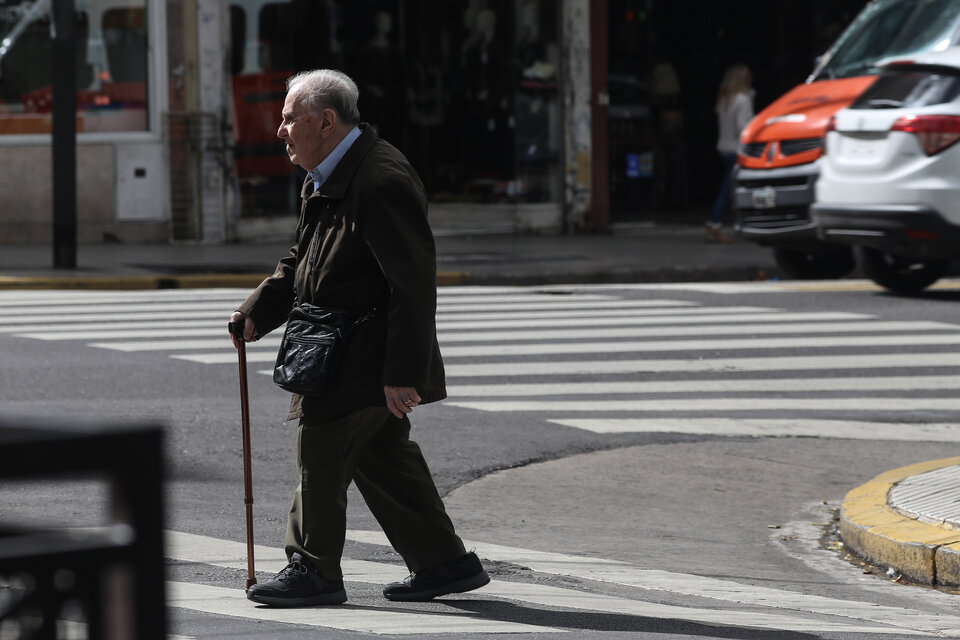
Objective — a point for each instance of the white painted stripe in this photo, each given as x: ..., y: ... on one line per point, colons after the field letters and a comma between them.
x: 693, y: 585
x: 228, y: 554
x: 65, y: 327
x: 114, y: 316
x: 218, y: 345
x: 160, y: 308
x: 72, y: 629
x: 545, y: 595
x: 706, y: 386
x: 704, y: 346
x: 773, y: 428
x: 711, y: 315
x: 717, y: 404
x: 549, y: 303
x: 717, y: 365
x: 55, y: 298
x: 522, y: 296
x: 698, y: 287
x: 108, y: 334
x: 232, y: 555
x: 473, y: 290
x: 232, y: 602
x: 468, y: 320
x: 273, y: 340
x: 225, y: 357
x: 735, y: 329
x: 601, y: 367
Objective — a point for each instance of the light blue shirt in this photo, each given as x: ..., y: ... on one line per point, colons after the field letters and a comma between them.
x: 325, y: 168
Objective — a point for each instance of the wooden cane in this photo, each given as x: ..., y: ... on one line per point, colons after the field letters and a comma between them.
x: 236, y: 329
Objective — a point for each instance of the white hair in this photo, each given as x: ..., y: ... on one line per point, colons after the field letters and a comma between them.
x: 328, y: 89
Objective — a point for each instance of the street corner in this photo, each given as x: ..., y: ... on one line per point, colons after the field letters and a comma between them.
x: 908, y: 519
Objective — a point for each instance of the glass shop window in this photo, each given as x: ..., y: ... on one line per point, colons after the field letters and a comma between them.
x: 467, y: 90
x: 110, y: 66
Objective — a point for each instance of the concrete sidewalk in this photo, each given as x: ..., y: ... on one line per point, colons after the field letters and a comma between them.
x: 908, y: 520
x: 641, y: 253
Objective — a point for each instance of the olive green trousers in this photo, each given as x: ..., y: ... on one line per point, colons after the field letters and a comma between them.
x: 372, y: 448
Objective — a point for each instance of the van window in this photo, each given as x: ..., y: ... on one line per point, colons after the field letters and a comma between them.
x: 898, y: 88
x: 889, y: 28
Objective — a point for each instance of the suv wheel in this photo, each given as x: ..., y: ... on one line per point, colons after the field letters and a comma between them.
x: 899, y: 274
x: 815, y: 264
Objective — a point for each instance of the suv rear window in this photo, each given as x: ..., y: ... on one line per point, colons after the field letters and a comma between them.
x: 888, y: 28
x: 917, y: 87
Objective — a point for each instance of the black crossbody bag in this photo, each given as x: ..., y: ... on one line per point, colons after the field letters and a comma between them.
x: 312, y: 347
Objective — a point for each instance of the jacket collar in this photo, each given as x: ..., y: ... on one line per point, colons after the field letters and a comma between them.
x: 336, y: 185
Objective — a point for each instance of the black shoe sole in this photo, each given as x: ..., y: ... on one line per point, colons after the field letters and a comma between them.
x: 332, y: 598
x: 460, y: 586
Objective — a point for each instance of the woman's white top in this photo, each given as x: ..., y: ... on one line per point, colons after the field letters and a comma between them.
x: 732, y: 120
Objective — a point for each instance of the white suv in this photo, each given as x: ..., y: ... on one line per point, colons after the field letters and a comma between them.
x: 890, y: 182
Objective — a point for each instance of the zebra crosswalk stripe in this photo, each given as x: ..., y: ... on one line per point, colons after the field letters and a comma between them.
x: 706, y: 386
x: 713, y: 365
x: 229, y: 554
x: 626, y: 574
x: 772, y: 428
x: 448, y: 338
x: 870, y: 403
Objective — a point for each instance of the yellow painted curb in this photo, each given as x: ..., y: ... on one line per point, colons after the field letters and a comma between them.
x: 190, y: 281
x: 874, y: 530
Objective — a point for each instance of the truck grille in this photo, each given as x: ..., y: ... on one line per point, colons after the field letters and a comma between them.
x: 781, y: 218
x: 759, y: 183
x: 793, y: 147
x: 786, y: 147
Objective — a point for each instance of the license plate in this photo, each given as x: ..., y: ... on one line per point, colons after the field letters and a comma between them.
x: 765, y: 198
x: 861, y: 148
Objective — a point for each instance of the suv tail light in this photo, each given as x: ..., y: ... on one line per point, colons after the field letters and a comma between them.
x: 935, y: 133
x: 831, y: 126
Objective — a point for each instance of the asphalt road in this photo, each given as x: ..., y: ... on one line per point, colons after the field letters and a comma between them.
x: 631, y: 461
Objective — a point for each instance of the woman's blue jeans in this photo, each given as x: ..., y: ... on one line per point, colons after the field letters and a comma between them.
x: 722, y: 203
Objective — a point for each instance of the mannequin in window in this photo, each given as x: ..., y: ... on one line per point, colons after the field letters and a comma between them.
x: 487, y: 80
x: 381, y: 79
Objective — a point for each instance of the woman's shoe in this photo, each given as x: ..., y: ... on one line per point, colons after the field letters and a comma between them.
x: 715, y: 234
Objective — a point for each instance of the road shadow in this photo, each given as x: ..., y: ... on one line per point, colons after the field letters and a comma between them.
x: 600, y: 621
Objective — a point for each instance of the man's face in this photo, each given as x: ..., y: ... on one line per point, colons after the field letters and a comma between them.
x: 302, y: 130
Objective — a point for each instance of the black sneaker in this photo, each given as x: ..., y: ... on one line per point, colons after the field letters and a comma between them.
x: 298, y: 585
x: 454, y: 576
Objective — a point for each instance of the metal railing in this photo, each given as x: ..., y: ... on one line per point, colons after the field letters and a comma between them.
x: 104, y: 582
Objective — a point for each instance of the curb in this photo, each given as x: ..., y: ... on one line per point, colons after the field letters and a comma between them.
x: 146, y: 282
x: 444, y: 279
x: 874, y: 530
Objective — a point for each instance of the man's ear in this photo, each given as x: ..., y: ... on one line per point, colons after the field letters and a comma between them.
x: 328, y: 121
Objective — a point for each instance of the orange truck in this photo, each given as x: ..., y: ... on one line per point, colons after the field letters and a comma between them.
x: 781, y: 148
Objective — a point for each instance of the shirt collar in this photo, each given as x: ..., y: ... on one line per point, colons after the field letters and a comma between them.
x: 325, y: 168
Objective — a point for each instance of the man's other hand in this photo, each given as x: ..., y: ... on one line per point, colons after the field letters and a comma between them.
x: 401, y: 400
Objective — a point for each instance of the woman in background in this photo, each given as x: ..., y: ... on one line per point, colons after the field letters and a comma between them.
x: 734, y: 110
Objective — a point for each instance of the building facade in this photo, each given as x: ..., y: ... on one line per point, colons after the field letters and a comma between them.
x: 520, y: 115
x: 178, y: 103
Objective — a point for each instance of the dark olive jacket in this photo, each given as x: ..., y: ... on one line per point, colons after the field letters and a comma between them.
x: 363, y: 242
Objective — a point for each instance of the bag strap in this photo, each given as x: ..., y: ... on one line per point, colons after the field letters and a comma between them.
x: 365, y: 317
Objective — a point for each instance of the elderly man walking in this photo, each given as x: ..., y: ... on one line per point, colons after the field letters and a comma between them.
x: 364, y: 245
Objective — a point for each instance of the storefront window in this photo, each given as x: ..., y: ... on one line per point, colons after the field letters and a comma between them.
x: 467, y: 90
x: 110, y: 64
